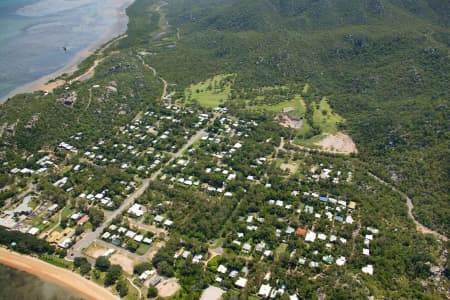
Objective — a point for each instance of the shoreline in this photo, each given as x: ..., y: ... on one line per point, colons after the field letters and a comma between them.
x: 40, y: 84
x: 62, y: 277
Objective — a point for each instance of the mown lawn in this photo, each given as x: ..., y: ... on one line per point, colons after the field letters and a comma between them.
x: 66, y: 212
x: 142, y: 249
x: 325, y: 118
x: 297, y: 103
x: 57, y: 261
x: 210, y: 93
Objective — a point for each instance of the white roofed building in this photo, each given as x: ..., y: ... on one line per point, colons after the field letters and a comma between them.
x: 264, y: 290
x: 241, y: 282
x: 136, y: 210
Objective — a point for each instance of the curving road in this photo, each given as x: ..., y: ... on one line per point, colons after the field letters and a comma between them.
x: 420, y: 227
x: 164, y: 95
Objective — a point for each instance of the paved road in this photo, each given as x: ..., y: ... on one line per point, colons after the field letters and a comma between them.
x: 89, y: 237
x: 420, y: 227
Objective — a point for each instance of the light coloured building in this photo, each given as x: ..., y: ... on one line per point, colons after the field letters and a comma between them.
x: 136, y: 210
x: 241, y: 282
x: 264, y: 290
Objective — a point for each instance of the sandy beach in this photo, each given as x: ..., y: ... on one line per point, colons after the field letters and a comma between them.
x: 59, y: 276
x: 41, y: 84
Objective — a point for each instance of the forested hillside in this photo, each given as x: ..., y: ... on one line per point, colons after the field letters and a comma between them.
x: 384, y: 64
x: 261, y: 148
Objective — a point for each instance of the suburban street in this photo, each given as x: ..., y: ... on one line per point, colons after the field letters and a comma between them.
x: 88, y: 238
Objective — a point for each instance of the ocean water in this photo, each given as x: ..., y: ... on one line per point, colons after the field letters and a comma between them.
x: 34, y: 32
x: 18, y: 285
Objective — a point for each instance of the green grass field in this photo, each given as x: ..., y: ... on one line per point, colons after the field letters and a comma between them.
x: 34, y: 202
x: 297, y: 103
x: 310, y: 142
x: 280, y: 251
x: 56, y: 261
x: 211, y: 92
x: 325, y: 118
x: 67, y: 212
x: 306, y: 88
x: 142, y: 249
x: 133, y: 294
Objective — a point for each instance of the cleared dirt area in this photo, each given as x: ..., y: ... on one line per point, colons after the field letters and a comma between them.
x: 154, y: 248
x: 291, y: 167
x: 95, y: 250
x: 125, y: 262
x: 212, y: 293
x: 288, y: 121
x: 168, y: 287
x: 214, y: 252
x: 339, y: 143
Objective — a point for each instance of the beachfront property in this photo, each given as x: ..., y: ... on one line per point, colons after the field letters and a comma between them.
x: 322, y: 223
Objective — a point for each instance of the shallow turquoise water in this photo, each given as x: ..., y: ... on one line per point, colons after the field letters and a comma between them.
x: 10, y: 24
x: 33, y: 33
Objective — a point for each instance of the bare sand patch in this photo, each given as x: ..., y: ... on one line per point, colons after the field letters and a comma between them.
x: 51, y: 86
x: 338, y: 143
x: 85, y: 53
x: 168, y: 287
x: 125, y: 262
x: 95, y: 250
x: 212, y: 293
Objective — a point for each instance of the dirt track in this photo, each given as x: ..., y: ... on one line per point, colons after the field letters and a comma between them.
x: 419, y: 227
